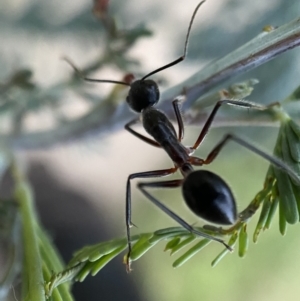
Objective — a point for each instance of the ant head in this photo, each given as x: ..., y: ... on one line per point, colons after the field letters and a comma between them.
x: 209, y: 197
x: 142, y: 94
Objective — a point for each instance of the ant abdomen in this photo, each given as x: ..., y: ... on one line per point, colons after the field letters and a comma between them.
x: 209, y: 197
x: 142, y: 94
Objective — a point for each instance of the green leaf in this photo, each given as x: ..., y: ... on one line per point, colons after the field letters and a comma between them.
x: 289, y: 151
x: 243, y: 241
x: 296, y: 190
x: 172, y: 231
x: 94, y: 267
x: 156, y: 238
x: 172, y: 243
x: 104, y: 260
x: 272, y: 211
x: 286, y: 197
x: 62, y: 277
x: 141, y: 246
x: 295, y: 127
x: 293, y: 143
x: 231, y: 243
x: 295, y: 96
x: 284, y: 185
x: 183, y: 243
x: 93, y: 253
x: 263, y: 217
x: 191, y: 252
x: 282, y: 219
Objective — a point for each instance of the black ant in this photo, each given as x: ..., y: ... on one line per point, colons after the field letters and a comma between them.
x: 205, y: 193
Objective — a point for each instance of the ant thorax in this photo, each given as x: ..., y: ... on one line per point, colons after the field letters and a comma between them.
x: 157, y: 124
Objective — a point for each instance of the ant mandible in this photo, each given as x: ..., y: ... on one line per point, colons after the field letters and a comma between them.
x: 205, y: 193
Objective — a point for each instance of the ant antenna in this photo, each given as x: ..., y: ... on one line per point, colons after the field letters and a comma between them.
x: 180, y: 59
x: 79, y: 73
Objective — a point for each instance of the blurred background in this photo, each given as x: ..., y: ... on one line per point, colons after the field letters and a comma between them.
x: 80, y: 185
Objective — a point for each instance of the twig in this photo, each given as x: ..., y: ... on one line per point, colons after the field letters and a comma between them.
x: 259, y: 50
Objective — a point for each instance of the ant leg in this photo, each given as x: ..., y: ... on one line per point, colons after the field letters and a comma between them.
x: 273, y: 160
x: 238, y: 103
x: 178, y: 219
x: 138, y: 135
x: 177, y: 111
x: 147, y: 174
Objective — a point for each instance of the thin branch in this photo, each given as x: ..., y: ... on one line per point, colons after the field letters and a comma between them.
x: 264, y: 47
x: 259, y: 50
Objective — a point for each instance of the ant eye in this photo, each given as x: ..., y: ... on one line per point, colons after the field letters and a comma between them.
x: 209, y: 197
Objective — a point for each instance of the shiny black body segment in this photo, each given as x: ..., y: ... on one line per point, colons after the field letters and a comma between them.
x: 157, y: 124
x: 205, y: 193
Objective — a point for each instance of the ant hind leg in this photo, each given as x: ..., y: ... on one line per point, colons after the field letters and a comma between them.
x: 173, y: 215
x: 147, y: 174
x: 273, y: 160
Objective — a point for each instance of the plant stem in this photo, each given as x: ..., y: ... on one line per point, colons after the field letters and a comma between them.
x: 261, y: 49
x: 107, y: 118
x: 33, y: 278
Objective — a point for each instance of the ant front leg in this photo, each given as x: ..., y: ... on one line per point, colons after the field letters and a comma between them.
x: 129, y: 224
x: 273, y: 160
x: 173, y: 215
x: 138, y: 135
x: 238, y: 103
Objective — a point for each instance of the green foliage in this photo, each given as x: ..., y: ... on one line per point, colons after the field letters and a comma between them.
x: 21, y: 96
x: 40, y: 256
x: 279, y: 188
